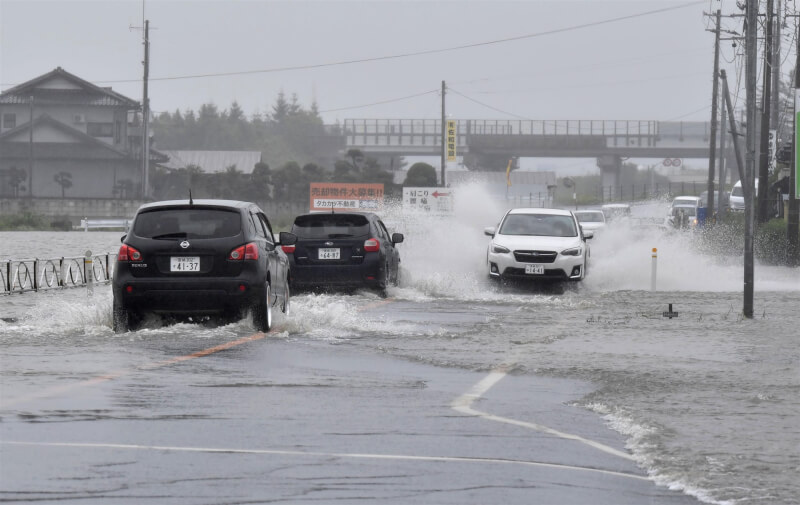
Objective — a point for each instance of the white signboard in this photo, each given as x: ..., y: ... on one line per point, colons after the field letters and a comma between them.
x: 430, y: 200
x: 773, y: 147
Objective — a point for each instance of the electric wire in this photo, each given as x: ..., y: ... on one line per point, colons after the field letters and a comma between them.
x: 420, y: 53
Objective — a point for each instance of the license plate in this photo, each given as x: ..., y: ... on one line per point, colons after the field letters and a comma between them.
x: 534, y: 269
x: 184, y: 264
x: 329, y: 253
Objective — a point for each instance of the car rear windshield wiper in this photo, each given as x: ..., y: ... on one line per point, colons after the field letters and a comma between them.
x: 177, y: 234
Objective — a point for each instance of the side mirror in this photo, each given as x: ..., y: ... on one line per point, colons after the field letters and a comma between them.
x: 588, y: 234
x: 490, y: 231
x: 397, y: 238
x: 286, y: 238
x: 122, y: 238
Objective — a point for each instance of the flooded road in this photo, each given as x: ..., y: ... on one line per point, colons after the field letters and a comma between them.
x: 450, y: 391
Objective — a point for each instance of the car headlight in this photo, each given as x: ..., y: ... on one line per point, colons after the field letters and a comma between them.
x: 498, y: 249
x: 575, y: 251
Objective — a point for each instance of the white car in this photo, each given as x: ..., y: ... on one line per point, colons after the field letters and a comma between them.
x: 538, y: 244
x: 736, y: 202
x: 591, y: 220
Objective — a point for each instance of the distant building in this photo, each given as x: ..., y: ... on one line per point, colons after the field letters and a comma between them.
x: 63, y: 136
x: 212, y: 162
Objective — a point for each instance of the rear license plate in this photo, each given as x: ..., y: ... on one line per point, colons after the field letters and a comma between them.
x: 534, y: 269
x: 184, y: 264
x: 333, y: 253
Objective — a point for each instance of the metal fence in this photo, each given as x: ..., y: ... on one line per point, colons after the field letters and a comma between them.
x: 20, y: 276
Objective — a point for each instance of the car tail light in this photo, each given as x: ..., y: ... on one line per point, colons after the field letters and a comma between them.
x: 288, y: 249
x: 372, y: 245
x: 244, y: 252
x: 128, y: 253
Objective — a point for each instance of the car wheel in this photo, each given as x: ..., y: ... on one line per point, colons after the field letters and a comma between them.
x: 262, y: 311
x: 124, y: 319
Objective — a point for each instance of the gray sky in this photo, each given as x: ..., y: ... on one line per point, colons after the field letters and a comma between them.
x: 655, y: 66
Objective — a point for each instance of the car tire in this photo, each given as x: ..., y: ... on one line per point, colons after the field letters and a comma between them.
x: 124, y: 319
x: 262, y: 311
x: 285, y: 306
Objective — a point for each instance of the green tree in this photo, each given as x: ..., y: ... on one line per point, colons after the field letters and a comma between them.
x: 235, y: 114
x: 64, y: 179
x: 280, y: 111
x: 420, y: 175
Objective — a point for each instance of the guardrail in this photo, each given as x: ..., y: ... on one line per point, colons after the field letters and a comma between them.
x: 20, y: 276
x: 91, y: 224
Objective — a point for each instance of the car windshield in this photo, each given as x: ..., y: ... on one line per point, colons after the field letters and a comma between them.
x: 313, y: 226
x: 737, y: 191
x: 589, y: 217
x: 684, y: 201
x: 187, y: 223
x: 551, y: 225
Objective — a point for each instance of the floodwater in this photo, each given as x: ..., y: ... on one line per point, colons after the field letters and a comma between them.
x: 709, y: 402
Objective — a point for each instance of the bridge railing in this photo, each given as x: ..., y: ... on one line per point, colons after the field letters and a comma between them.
x: 427, y: 132
x: 19, y: 276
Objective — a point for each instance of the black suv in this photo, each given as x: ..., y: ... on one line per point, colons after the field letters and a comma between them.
x: 200, y: 258
x: 343, y: 250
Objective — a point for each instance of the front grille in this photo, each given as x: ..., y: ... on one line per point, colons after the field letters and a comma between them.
x: 535, y: 256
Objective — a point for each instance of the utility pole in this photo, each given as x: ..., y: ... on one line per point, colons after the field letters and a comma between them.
x: 731, y: 116
x: 763, y: 168
x: 30, y: 148
x: 146, y: 115
x: 792, y: 225
x: 444, y: 144
x: 723, y: 169
x: 776, y: 68
x: 748, y: 183
x: 713, y: 143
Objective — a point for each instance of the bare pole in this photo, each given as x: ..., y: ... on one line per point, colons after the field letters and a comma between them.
x: 444, y: 158
x: 722, y: 159
x: 146, y: 115
x: 713, y: 142
x: 763, y: 169
x: 748, y: 183
x: 792, y: 224
x: 30, y: 148
x: 731, y: 116
x: 776, y: 67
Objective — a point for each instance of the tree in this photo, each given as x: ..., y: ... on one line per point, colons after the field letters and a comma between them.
x: 420, y: 175
x: 64, y: 179
x: 280, y: 111
x: 235, y: 114
x: 260, y: 179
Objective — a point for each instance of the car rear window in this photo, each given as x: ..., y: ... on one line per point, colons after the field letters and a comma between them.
x: 689, y: 211
x: 330, y: 226
x: 539, y: 224
x: 187, y: 223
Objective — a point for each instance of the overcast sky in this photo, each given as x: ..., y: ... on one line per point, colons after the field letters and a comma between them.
x: 650, y: 66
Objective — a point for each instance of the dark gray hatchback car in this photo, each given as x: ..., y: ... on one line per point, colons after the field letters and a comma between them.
x: 199, y: 259
x: 343, y: 250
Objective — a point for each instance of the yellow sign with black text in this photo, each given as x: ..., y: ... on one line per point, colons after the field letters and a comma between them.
x: 451, y: 140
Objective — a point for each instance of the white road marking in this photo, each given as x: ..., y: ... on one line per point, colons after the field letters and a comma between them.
x: 449, y: 459
x: 464, y: 402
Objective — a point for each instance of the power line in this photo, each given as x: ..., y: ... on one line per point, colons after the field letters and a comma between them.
x: 420, y: 53
x: 381, y: 102
x: 488, y: 106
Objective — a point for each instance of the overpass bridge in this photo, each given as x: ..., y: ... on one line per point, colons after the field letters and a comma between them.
x: 488, y: 144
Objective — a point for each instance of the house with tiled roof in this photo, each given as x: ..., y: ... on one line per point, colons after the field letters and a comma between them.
x: 61, y: 135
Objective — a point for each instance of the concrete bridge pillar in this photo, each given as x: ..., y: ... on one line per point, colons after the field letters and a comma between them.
x: 486, y: 162
x: 610, y: 166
